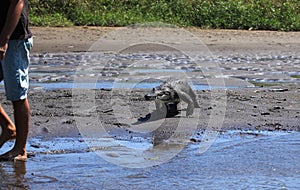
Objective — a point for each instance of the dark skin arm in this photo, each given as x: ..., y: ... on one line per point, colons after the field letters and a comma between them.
x: 13, y: 16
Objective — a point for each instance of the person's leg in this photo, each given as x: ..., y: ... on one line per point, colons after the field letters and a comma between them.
x: 16, y: 82
x: 8, y: 129
x: 22, y: 116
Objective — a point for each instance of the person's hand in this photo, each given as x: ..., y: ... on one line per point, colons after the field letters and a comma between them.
x: 3, y: 49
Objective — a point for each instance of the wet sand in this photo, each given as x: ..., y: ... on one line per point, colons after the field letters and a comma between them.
x: 248, y: 108
x: 264, y: 108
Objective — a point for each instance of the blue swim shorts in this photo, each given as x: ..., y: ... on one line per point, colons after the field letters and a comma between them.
x: 15, y: 68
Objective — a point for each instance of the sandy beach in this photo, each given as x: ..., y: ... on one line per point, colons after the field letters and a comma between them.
x: 268, y: 59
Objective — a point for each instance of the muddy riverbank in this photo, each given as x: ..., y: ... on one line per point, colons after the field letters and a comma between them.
x: 89, y: 136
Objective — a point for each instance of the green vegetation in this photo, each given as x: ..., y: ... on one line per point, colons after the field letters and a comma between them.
x: 295, y: 76
x: 264, y: 84
x: 225, y: 14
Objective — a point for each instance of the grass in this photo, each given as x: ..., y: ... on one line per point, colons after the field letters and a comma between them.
x: 295, y: 76
x: 225, y: 14
x: 51, y: 20
x: 264, y: 84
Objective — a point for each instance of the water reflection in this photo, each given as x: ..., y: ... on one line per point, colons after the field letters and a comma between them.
x: 12, y: 175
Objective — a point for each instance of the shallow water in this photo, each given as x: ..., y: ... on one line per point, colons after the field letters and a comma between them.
x: 237, y: 160
x: 101, y: 68
x: 121, y: 85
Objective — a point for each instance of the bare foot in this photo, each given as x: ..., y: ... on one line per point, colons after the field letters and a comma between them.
x: 7, y: 134
x: 14, y: 155
x: 20, y: 158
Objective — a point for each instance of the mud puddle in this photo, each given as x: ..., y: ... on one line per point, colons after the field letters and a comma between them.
x: 118, y: 85
x: 102, y: 69
x: 236, y: 160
